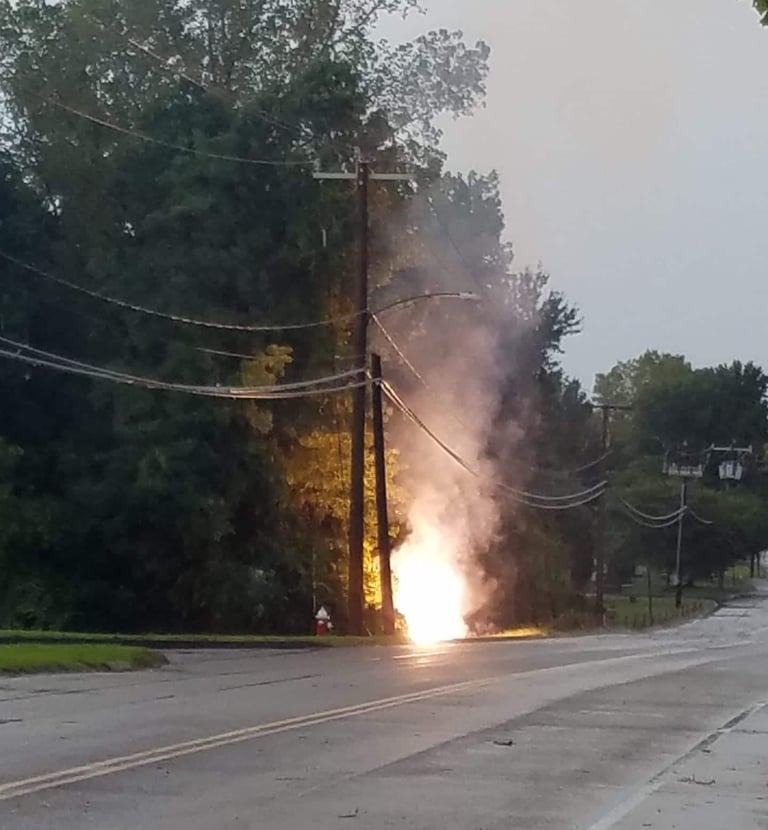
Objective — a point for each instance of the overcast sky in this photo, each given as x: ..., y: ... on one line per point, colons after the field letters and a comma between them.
x: 631, y: 137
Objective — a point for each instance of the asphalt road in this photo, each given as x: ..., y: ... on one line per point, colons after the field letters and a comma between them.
x: 667, y: 730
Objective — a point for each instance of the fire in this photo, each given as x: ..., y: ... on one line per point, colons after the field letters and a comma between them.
x: 430, y: 591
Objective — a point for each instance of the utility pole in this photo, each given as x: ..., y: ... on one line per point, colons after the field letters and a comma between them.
x: 356, y: 599
x: 382, y: 514
x: 678, y: 571
x: 602, y: 532
x: 650, y: 593
x: 357, y: 478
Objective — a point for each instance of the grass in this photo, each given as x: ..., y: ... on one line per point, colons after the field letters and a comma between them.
x: 199, y: 640
x: 627, y: 610
x: 633, y: 612
x: 26, y: 658
x: 524, y: 633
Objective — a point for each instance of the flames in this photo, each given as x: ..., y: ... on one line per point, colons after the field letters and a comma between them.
x: 430, y: 590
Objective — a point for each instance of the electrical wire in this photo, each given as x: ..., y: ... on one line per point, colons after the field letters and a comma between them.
x: 167, y: 66
x: 222, y: 353
x: 572, y: 506
x: 586, y: 467
x: 313, y: 388
x: 92, y: 320
x: 211, y: 324
x: 175, y: 318
x: 415, y: 372
x: 231, y: 393
x: 652, y: 526
x: 296, y: 385
x: 465, y: 264
x: 293, y: 386
x: 170, y: 145
x: 648, y: 517
x: 695, y: 515
x: 404, y: 360
x: 529, y: 499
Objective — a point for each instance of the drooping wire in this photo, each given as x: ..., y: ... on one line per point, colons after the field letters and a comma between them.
x: 208, y: 324
x: 463, y: 261
x: 175, y: 318
x: 296, y: 385
x: 137, y: 134
x: 403, y: 358
x: 166, y: 65
x: 459, y: 421
x: 320, y: 386
x: 694, y: 515
x: 655, y: 526
x: 223, y: 353
x: 675, y: 515
x: 603, y: 458
x: 533, y: 500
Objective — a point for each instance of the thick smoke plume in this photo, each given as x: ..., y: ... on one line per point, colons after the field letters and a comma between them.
x: 461, y: 351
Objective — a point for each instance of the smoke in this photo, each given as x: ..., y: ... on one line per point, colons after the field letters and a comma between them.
x: 453, y: 518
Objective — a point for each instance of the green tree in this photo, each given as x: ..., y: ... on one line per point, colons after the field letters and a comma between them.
x: 161, y: 511
x: 677, y: 407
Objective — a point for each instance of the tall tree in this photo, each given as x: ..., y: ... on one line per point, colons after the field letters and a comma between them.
x: 123, y: 120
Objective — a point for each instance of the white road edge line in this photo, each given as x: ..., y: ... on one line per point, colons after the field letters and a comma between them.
x: 621, y: 811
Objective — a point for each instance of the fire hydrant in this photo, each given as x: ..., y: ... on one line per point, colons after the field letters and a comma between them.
x: 324, y: 625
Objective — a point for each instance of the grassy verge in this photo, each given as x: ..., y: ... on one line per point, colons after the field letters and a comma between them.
x: 24, y: 658
x: 633, y: 612
x: 192, y: 640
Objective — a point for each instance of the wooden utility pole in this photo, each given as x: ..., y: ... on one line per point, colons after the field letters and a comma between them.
x: 602, y: 532
x: 678, y: 558
x: 650, y: 593
x: 356, y: 598
x: 382, y: 512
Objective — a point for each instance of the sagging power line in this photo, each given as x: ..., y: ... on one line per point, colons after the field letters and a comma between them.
x: 332, y: 384
x: 403, y: 358
x: 163, y: 315
x: 534, y: 500
x: 126, y: 305
x: 180, y: 148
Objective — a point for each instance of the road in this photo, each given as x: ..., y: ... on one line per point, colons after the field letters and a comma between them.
x: 662, y: 730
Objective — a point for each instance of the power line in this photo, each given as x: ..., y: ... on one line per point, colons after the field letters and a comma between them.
x: 169, y: 66
x: 465, y: 264
x: 585, y: 467
x: 694, y: 515
x: 414, y: 371
x: 660, y: 522
x: 170, y: 145
x: 169, y: 342
x: 175, y: 318
x: 211, y: 324
x: 288, y: 391
x: 647, y: 516
x: 223, y: 353
x: 529, y: 499
x: 401, y: 355
x: 656, y: 526
x: 423, y: 381
x: 294, y: 386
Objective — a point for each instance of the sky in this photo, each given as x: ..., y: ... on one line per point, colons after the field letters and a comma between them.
x: 630, y: 137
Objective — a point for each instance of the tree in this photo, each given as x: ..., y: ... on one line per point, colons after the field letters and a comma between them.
x: 161, y: 511
x: 676, y: 407
x: 705, y: 407
x: 628, y: 379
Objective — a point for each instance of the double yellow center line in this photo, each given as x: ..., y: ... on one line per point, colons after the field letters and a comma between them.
x: 111, y: 766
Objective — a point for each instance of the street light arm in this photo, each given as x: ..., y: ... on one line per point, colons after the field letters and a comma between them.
x: 466, y: 296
